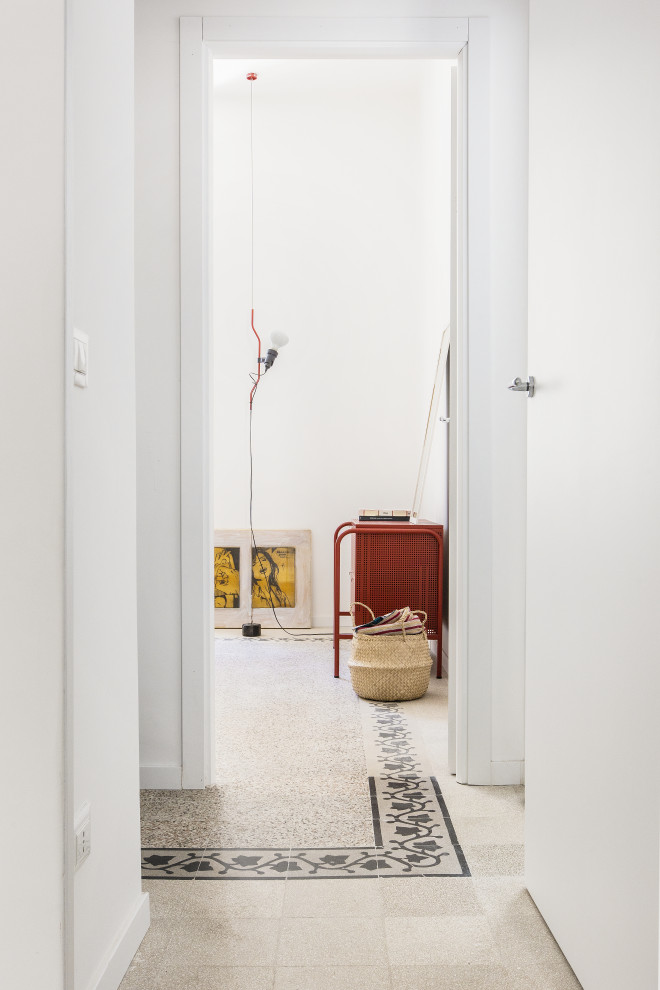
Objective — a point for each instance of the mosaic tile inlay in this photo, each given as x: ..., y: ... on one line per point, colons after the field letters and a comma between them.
x: 413, y: 833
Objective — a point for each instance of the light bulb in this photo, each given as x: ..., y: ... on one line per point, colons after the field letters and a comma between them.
x: 278, y: 340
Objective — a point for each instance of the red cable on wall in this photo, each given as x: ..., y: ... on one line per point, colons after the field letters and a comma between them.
x: 254, y: 387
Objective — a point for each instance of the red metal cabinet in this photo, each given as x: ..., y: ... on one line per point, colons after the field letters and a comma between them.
x: 393, y: 564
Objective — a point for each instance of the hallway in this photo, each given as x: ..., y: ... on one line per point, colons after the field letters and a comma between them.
x: 411, y: 880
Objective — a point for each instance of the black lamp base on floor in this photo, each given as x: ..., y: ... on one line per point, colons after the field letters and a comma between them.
x: 252, y: 629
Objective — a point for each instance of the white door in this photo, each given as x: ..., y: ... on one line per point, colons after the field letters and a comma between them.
x: 593, y: 564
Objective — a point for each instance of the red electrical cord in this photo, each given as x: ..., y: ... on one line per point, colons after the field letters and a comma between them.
x: 254, y: 387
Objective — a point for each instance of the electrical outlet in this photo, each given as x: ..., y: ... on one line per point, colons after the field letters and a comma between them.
x: 83, y: 835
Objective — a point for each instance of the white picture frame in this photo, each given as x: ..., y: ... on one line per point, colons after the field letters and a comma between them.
x: 297, y: 616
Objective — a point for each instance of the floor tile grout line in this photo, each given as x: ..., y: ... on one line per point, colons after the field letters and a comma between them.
x: 278, y: 939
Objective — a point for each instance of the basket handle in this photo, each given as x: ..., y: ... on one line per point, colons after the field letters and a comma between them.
x: 411, y: 611
x: 352, y: 609
x: 404, y: 615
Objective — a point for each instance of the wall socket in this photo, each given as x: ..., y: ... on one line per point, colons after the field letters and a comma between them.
x: 83, y: 835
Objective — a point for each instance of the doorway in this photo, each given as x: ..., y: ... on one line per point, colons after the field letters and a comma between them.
x: 202, y: 40
x: 332, y: 183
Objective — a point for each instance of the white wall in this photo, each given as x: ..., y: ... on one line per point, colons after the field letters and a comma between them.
x: 31, y: 521
x: 158, y: 340
x: 594, y: 478
x: 352, y: 225
x: 110, y: 912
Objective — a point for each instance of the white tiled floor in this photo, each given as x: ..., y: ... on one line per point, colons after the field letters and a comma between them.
x: 398, y: 933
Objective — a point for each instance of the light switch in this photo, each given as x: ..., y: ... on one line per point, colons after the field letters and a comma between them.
x: 80, y: 358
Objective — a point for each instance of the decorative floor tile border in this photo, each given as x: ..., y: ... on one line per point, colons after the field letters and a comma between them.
x: 413, y: 833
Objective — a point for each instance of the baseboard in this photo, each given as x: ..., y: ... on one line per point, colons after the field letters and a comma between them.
x: 156, y: 778
x: 112, y: 970
x: 511, y: 772
x: 328, y: 622
x: 445, y: 664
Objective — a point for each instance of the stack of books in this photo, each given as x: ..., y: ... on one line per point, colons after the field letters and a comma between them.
x: 384, y: 515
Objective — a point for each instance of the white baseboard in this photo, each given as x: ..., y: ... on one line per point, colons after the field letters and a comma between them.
x: 510, y: 772
x: 114, y: 966
x: 328, y: 622
x: 155, y: 778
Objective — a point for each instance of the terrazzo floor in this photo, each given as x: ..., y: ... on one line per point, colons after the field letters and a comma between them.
x: 408, y: 879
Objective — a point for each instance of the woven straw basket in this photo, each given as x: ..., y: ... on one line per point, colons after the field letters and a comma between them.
x: 392, y: 667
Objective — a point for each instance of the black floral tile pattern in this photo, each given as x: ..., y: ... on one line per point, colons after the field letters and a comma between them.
x: 214, y: 864
x: 413, y: 833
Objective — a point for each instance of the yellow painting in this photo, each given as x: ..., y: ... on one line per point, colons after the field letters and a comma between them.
x: 274, y: 577
x: 227, y: 570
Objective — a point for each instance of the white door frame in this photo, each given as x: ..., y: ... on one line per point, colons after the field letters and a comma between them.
x: 470, y: 566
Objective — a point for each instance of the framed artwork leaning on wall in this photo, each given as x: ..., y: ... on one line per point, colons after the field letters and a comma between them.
x: 276, y: 575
